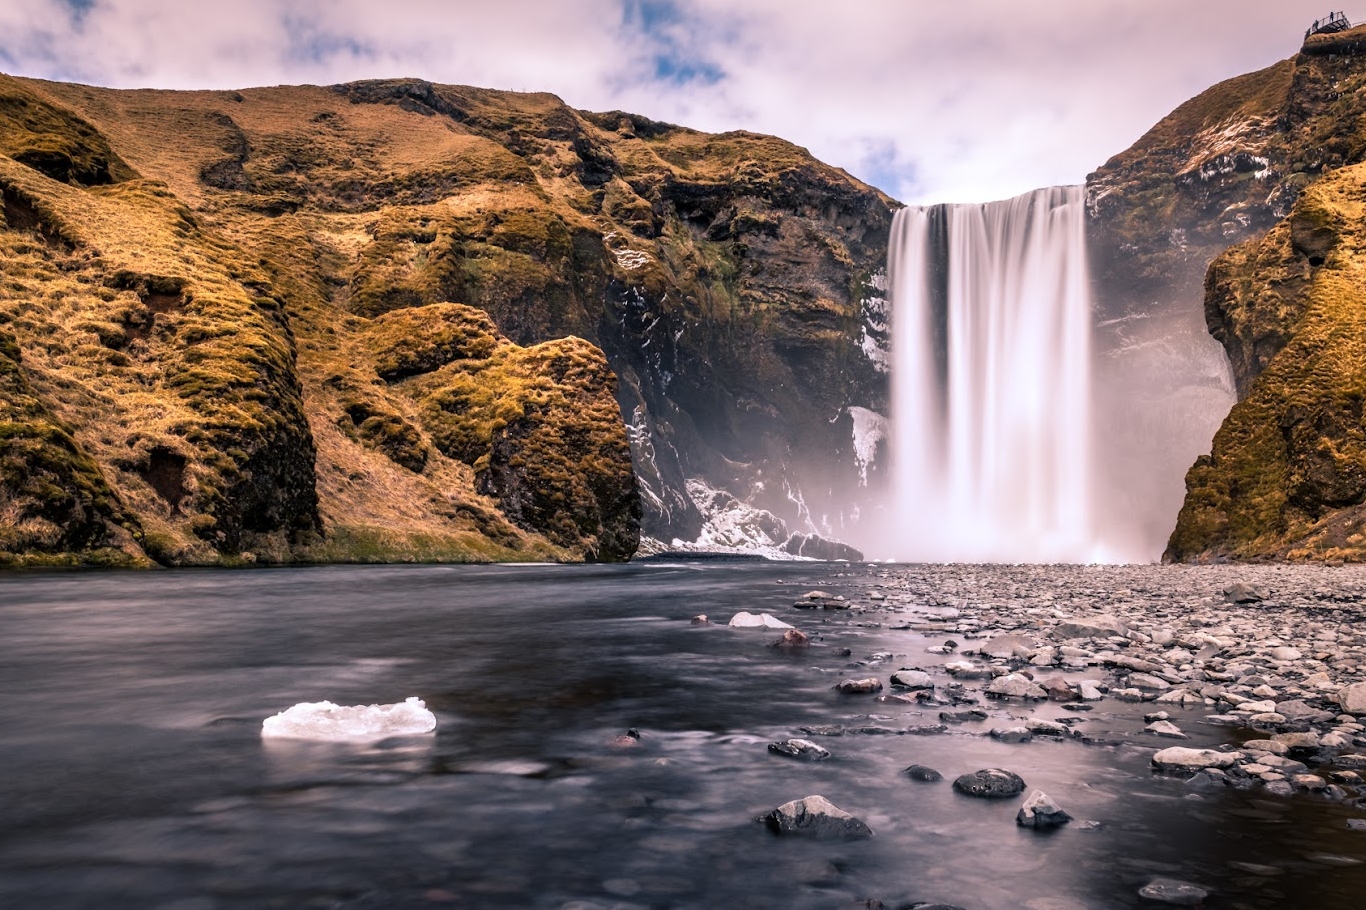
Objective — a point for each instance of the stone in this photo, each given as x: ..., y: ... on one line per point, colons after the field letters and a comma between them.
x: 1266, y: 745
x: 1040, y: 727
x: 1310, y: 782
x: 990, y: 783
x: 1148, y: 681
x: 1243, y: 593
x: 1297, y: 709
x: 1040, y: 812
x: 1180, y: 758
x: 1356, y: 824
x: 1009, y: 645
x: 1173, y: 891
x: 1088, y: 690
x: 744, y: 620
x: 1059, y: 689
x: 1091, y: 627
x: 1353, y: 698
x: 1011, y: 735
x: 912, y: 679
x: 923, y: 774
x: 859, y: 686
x: 701, y: 620
x: 1298, y: 742
x: 1286, y: 653
x: 814, y: 816
x: 818, y: 595
x: 799, y: 748
x: 1165, y: 728
x: 1015, y: 686
x: 792, y: 640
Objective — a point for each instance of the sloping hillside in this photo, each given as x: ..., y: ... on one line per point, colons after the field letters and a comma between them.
x: 344, y: 323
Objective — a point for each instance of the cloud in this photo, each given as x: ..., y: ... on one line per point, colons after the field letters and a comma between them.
x: 966, y: 101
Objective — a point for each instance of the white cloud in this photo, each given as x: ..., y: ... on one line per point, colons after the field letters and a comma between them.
x: 932, y: 101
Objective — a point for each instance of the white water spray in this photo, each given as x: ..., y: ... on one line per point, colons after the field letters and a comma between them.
x: 991, y: 400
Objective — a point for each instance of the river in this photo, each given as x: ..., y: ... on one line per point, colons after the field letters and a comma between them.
x: 133, y: 774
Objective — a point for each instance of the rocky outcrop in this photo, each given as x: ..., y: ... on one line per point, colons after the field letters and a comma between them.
x: 1222, y: 170
x: 1287, y: 474
x: 393, y: 320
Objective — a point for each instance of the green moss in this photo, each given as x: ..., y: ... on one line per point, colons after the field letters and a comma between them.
x: 1291, y: 456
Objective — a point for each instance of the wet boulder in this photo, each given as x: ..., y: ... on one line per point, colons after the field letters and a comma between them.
x: 858, y: 686
x: 1040, y: 812
x: 815, y: 816
x: 923, y: 774
x: 1016, y: 686
x: 990, y: 783
x: 802, y: 749
x: 912, y: 679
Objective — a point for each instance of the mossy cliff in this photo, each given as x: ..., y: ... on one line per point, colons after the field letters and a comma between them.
x: 1286, y: 477
x: 1222, y: 169
x: 395, y: 320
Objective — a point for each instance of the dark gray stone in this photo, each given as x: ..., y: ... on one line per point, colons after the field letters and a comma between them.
x: 990, y: 783
x: 923, y: 774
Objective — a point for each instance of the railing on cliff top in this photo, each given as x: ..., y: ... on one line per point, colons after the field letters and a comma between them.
x: 1333, y: 22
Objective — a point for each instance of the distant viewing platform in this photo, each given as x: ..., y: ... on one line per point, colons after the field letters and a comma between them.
x: 1328, y: 25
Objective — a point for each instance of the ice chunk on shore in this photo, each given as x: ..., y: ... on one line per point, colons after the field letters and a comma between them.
x: 326, y: 721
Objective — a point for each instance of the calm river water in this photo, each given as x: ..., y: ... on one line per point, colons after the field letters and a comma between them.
x: 132, y: 772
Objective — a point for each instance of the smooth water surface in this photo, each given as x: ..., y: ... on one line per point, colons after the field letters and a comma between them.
x: 132, y: 772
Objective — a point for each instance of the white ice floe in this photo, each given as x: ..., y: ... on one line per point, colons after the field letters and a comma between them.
x: 326, y: 721
x: 746, y: 620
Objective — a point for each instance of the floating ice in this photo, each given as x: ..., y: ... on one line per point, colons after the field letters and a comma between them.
x: 326, y: 721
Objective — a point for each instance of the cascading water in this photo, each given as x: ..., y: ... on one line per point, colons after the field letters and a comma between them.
x: 991, y: 429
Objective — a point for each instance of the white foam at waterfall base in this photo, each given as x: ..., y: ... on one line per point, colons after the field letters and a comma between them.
x: 991, y: 434
x: 361, y: 723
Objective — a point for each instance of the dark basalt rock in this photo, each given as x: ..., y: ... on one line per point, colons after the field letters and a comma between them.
x: 990, y: 783
x: 923, y: 774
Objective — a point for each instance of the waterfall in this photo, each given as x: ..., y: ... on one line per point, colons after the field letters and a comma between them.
x: 991, y: 429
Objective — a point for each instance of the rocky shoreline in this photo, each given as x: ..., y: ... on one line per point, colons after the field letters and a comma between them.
x: 1264, y: 667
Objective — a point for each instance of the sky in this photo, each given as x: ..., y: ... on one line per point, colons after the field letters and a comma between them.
x: 929, y: 100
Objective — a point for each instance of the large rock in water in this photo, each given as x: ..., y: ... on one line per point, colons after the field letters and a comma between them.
x: 815, y: 816
x: 990, y: 783
x: 1039, y: 811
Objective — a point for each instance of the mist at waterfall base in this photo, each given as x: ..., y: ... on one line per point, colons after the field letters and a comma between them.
x: 1000, y: 358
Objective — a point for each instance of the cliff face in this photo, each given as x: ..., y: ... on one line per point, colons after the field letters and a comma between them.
x: 395, y: 320
x: 1286, y: 477
x: 1222, y: 169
